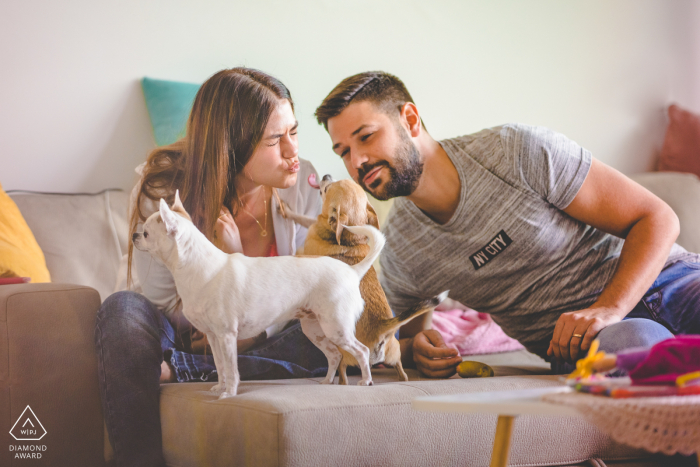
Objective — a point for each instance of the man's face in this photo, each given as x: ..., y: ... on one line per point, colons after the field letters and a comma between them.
x: 377, y: 150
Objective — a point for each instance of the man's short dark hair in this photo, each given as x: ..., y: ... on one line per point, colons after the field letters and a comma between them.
x: 384, y: 90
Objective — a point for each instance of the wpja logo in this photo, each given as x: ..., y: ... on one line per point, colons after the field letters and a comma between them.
x: 28, y: 428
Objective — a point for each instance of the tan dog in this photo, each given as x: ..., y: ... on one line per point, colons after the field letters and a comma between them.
x: 346, y: 204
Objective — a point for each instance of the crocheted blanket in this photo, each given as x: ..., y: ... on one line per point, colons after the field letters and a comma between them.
x: 658, y: 424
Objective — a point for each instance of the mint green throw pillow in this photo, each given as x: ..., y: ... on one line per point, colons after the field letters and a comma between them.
x: 169, y: 104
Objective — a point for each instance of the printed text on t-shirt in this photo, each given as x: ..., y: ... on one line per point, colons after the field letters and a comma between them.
x: 499, y: 243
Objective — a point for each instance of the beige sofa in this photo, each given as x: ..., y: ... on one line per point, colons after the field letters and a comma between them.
x: 46, y: 334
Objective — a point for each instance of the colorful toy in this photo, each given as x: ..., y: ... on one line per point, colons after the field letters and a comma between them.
x: 585, y: 367
x: 669, y: 368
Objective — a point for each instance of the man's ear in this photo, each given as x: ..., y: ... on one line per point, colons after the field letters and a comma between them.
x: 169, y: 219
x: 372, y: 218
x: 411, y: 117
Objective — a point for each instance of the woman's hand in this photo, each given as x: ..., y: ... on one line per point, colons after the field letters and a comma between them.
x: 227, y: 238
x: 200, y: 344
x: 576, y: 330
x: 246, y: 344
x: 432, y: 356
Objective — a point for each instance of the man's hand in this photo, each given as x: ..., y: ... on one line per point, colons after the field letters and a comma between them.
x: 227, y: 238
x: 432, y: 356
x: 566, y: 344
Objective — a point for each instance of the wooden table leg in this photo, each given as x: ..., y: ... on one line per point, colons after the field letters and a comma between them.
x: 501, y: 443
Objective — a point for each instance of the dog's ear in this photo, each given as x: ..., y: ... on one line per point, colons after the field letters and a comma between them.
x: 339, y: 219
x: 339, y: 227
x: 372, y: 218
x: 177, y: 203
x: 179, y: 208
x: 169, y: 219
x: 342, y: 220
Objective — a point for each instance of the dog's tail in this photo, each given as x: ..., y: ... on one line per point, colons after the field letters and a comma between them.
x: 376, y: 242
x: 392, y: 324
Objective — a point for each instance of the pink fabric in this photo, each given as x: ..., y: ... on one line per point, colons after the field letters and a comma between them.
x: 667, y: 360
x: 472, y: 333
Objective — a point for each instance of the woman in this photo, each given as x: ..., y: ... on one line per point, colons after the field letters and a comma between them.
x: 239, y: 158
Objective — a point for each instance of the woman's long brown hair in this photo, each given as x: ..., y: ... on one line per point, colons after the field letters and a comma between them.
x: 227, y: 121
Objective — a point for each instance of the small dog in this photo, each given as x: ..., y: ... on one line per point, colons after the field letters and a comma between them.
x: 346, y: 204
x: 230, y: 297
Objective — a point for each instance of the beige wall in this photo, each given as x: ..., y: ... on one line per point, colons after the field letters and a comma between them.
x: 72, y: 116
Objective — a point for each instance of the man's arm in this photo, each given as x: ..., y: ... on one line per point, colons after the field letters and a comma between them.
x: 613, y: 203
x: 421, y: 349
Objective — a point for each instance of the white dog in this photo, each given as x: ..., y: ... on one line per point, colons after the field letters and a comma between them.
x: 231, y: 297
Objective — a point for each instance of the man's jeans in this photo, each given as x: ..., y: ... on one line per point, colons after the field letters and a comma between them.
x: 132, y: 337
x: 671, y: 306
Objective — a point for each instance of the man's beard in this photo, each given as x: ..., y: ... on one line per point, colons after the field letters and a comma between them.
x: 403, y: 178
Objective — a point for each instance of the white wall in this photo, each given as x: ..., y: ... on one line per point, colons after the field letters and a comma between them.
x: 72, y: 116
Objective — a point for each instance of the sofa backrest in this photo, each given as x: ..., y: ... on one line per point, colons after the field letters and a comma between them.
x: 83, y: 236
x: 681, y: 191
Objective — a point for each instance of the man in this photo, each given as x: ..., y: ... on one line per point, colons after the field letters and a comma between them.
x: 516, y: 221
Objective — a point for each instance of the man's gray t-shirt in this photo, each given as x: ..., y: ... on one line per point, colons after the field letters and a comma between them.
x: 509, y: 249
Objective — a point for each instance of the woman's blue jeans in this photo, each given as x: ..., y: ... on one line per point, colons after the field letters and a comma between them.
x: 132, y: 338
x: 671, y: 306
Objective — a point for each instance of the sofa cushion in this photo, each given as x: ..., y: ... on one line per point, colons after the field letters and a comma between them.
x: 83, y: 236
x: 681, y: 149
x: 169, y: 104
x: 20, y: 255
x: 681, y: 191
x: 304, y: 423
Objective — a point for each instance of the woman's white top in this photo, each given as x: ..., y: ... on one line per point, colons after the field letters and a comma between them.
x: 153, y: 279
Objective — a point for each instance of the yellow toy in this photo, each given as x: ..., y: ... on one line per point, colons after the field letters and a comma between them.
x: 469, y: 369
x: 585, y: 366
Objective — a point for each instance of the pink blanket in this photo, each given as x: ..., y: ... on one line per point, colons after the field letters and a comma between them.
x: 665, y: 361
x: 472, y: 333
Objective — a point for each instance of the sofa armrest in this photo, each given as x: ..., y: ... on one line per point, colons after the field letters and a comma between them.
x: 48, y: 362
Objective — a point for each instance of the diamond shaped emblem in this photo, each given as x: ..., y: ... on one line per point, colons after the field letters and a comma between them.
x: 28, y: 427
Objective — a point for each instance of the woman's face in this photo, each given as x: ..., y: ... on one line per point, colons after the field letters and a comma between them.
x: 275, y: 161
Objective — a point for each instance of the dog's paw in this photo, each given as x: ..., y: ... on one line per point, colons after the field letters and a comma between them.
x: 365, y: 382
x: 283, y: 209
x: 327, y: 381
x: 217, y: 388
x: 225, y: 394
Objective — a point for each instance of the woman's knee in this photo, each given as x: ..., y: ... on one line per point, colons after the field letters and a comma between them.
x: 128, y: 307
x: 630, y: 333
